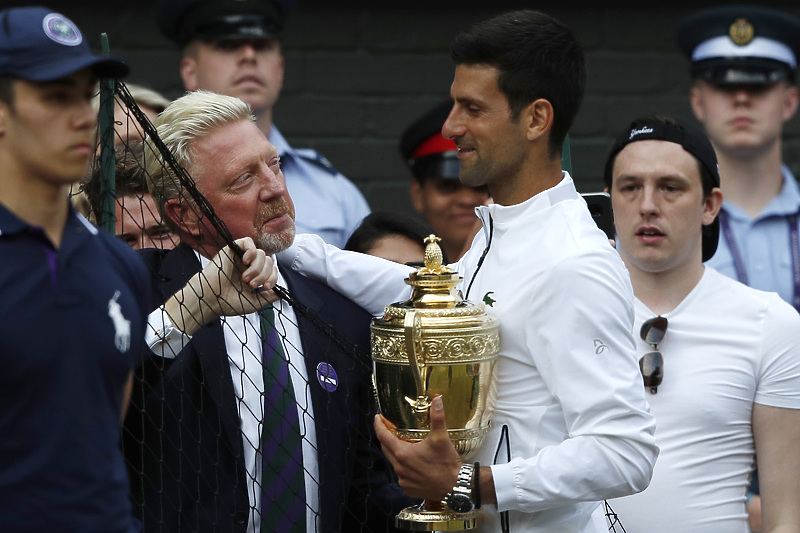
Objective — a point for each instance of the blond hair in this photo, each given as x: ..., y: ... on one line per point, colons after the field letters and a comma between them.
x: 185, y: 121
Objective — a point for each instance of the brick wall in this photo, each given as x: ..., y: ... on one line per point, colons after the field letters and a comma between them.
x: 357, y: 73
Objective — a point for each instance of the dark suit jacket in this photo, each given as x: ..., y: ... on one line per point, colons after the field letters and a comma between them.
x: 182, y: 438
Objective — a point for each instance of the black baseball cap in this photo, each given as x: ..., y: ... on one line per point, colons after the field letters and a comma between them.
x: 741, y: 44
x: 38, y: 44
x: 692, y: 139
x: 183, y: 21
x: 425, y: 150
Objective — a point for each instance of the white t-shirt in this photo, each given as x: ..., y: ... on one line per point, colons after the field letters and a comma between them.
x: 568, y: 382
x: 726, y: 347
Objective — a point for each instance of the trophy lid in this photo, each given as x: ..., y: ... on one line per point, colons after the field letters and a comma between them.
x: 434, y: 284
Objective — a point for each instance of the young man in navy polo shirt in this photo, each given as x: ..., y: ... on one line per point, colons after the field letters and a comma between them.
x: 71, y: 296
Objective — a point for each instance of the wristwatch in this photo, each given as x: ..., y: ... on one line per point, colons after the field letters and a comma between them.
x: 460, y: 498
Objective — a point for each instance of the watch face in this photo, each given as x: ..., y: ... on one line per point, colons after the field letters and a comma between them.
x: 460, y: 503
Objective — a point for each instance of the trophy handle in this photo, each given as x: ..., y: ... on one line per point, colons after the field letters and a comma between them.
x: 411, y: 327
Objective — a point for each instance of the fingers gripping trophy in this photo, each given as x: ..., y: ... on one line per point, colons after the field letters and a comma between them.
x: 436, y: 343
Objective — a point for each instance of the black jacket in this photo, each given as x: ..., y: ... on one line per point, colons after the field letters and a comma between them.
x: 182, y: 438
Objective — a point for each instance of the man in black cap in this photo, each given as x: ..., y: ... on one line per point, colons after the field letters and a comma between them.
x: 72, y: 295
x: 447, y: 204
x: 744, y: 63
x: 728, y: 383
x: 233, y: 47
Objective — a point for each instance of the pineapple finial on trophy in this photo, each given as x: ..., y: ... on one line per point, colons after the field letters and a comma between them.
x: 433, y: 253
x: 433, y: 256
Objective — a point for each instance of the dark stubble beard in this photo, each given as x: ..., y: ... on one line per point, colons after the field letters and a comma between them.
x: 273, y: 243
x: 472, y: 177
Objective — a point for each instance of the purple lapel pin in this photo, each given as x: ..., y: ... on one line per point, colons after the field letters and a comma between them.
x: 326, y: 375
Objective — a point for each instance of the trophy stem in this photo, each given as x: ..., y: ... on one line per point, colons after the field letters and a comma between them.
x: 436, y: 516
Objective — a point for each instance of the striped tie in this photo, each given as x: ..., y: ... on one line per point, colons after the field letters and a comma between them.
x: 283, y: 497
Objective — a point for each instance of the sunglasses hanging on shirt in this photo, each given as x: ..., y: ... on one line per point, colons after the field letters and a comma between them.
x: 652, y: 363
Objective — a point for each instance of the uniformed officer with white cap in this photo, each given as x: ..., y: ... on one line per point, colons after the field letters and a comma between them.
x: 741, y: 45
x: 233, y: 47
x: 744, y: 65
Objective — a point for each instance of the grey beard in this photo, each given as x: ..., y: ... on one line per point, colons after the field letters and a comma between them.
x: 273, y: 243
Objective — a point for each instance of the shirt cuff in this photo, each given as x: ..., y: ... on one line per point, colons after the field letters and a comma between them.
x: 162, y: 337
x: 503, y: 478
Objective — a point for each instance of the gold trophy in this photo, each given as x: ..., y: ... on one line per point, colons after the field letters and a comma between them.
x: 436, y: 343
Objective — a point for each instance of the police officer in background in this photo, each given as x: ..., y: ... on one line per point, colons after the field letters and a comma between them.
x: 743, y: 63
x: 743, y: 66
x: 233, y: 47
x: 436, y: 192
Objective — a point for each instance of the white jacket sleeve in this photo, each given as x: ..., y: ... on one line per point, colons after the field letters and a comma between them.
x: 581, y: 343
x: 371, y: 282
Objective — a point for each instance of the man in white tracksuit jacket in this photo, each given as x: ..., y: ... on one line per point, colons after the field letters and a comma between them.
x: 571, y: 426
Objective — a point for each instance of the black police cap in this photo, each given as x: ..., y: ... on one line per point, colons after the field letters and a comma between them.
x: 183, y: 21
x: 423, y: 148
x: 741, y: 44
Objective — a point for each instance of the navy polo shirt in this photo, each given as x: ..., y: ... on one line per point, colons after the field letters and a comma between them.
x: 71, y: 326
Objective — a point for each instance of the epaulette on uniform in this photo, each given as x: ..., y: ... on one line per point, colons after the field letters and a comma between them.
x: 315, y: 157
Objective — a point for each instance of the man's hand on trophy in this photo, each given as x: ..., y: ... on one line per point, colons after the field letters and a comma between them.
x: 427, y: 469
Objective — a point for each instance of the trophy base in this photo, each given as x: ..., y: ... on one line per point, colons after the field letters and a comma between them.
x: 426, y: 517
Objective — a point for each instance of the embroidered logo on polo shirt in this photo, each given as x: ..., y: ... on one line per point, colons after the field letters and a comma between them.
x: 122, y: 326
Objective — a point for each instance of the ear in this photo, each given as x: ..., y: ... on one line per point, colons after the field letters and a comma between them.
x: 5, y: 113
x: 711, y: 206
x: 538, y: 117
x: 790, y: 102
x: 189, y: 73
x: 415, y: 189
x: 695, y: 100
x: 183, y: 216
x: 281, y: 69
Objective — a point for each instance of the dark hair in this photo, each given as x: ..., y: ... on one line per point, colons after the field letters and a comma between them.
x: 537, y: 56
x: 379, y: 224
x: 691, y: 139
x: 129, y: 176
x: 7, y: 89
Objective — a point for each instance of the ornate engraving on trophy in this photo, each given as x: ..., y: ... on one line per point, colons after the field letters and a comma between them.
x: 436, y: 343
